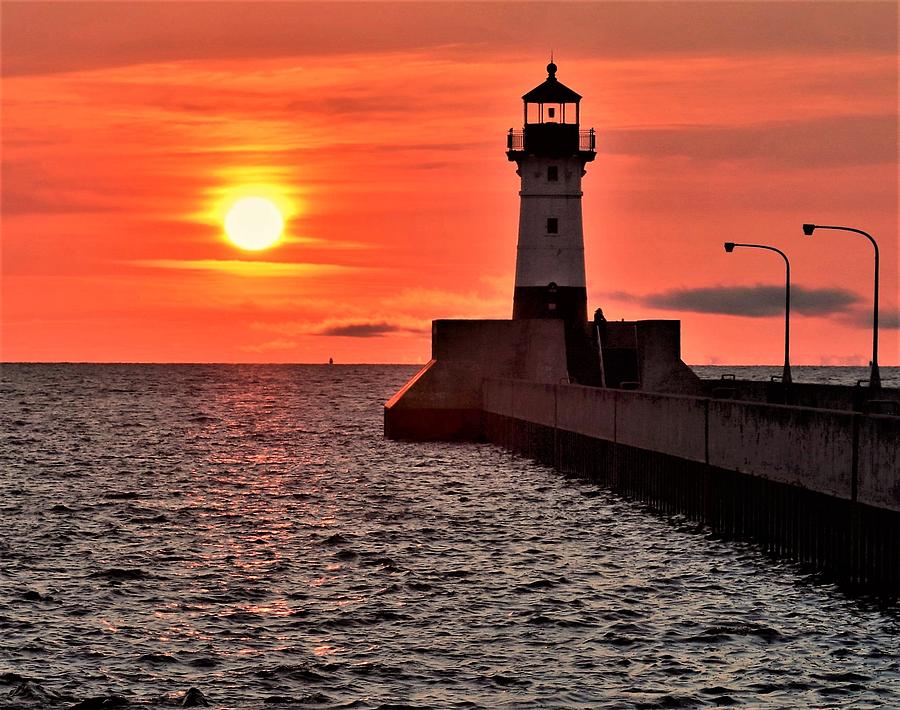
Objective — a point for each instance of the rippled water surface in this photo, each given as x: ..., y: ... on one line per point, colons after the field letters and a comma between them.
x: 248, y: 532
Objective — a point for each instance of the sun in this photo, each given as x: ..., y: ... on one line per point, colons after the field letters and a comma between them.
x: 254, y: 223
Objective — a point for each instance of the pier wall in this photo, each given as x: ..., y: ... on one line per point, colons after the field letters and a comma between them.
x: 820, y: 486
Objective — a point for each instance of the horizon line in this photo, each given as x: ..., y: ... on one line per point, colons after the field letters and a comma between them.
x: 326, y: 363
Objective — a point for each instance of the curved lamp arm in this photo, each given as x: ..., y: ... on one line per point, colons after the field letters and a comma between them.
x: 786, y: 373
x: 875, y: 375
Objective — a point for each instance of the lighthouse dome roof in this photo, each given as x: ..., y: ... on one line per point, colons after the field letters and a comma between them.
x: 552, y: 91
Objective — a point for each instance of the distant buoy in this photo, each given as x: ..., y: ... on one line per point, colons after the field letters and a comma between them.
x: 331, y: 361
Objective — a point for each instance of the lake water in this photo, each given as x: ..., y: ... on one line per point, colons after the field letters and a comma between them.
x: 247, y: 531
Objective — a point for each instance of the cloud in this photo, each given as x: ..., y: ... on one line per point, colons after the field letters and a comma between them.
x: 362, y: 330
x: 491, y: 302
x: 861, y: 317
x: 345, y: 328
x: 31, y: 188
x: 759, y: 301
x: 820, y: 142
x: 888, y: 318
x: 40, y: 37
x: 239, y: 267
x: 368, y: 330
x: 269, y: 346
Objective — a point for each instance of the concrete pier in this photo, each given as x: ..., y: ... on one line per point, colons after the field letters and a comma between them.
x: 443, y: 400
x: 819, y: 486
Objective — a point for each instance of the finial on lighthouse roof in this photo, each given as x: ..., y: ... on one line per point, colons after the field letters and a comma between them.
x: 552, y: 91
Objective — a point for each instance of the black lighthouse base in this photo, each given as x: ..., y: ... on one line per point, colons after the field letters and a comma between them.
x: 568, y: 304
x: 551, y: 301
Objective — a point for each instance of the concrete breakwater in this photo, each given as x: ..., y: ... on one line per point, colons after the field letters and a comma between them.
x: 820, y: 486
x: 817, y: 479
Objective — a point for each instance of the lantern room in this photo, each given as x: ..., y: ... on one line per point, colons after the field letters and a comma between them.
x: 551, y: 102
x: 551, y: 122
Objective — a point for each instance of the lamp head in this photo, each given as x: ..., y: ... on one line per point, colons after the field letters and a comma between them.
x: 729, y: 247
x: 808, y: 229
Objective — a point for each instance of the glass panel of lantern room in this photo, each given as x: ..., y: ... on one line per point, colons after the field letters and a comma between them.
x: 533, y: 113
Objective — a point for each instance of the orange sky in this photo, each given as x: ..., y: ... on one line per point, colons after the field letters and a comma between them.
x: 124, y: 126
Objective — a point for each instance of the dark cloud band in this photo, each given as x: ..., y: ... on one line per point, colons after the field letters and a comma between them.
x: 758, y: 301
x: 811, y: 143
x: 361, y: 330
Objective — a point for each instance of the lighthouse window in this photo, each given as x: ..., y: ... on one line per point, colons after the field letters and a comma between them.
x: 552, y: 173
x: 552, y: 225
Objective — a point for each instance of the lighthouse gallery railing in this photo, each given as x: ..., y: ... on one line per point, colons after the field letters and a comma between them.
x: 587, y: 140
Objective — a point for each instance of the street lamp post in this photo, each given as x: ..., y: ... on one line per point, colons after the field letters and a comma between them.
x: 786, y: 373
x: 874, y: 375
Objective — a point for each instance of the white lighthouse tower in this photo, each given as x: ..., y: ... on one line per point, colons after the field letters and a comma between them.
x: 550, y: 155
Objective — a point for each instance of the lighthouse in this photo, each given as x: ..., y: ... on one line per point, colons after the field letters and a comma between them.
x: 550, y: 153
x: 548, y: 340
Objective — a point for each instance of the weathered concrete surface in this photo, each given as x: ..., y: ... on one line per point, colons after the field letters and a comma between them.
x: 667, y: 424
x: 498, y: 396
x: 809, y: 448
x: 535, y: 402
x: 659, y: 349
x: 587, y: 410
x: 410, y: 413
x: 443, y: 401
x: 879, y: 461
x: 532, y: 350
x: 656, y: 345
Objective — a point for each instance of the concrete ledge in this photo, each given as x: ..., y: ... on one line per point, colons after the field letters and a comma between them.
x: 801, y: 394
x: 407, y: 415
x: 413, y: 381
